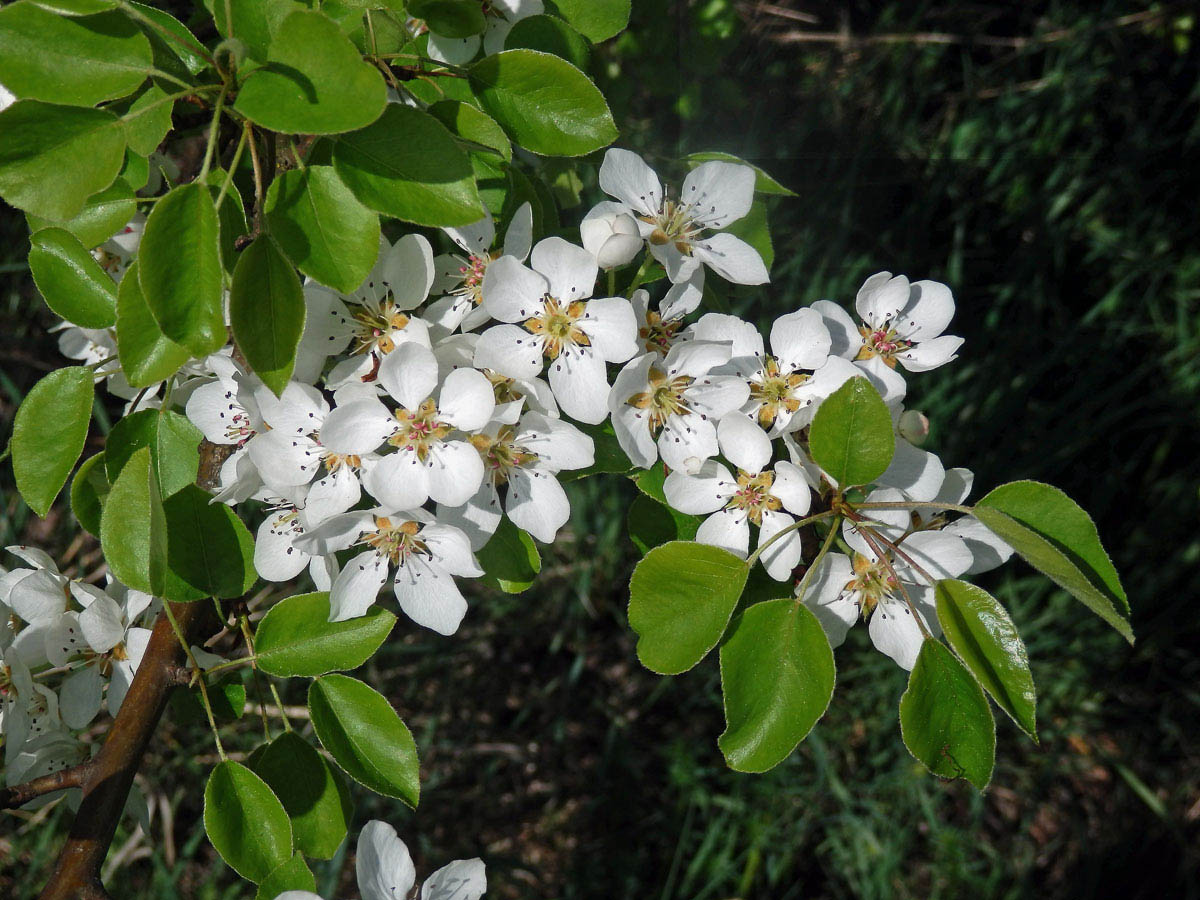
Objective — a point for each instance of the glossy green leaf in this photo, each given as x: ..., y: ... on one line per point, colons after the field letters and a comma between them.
x: 680, y: 599
x: 777, y: 677
x: 550, y: 35
x: 295, y: 637
x: 148, y: 120
x: 182, y: 48
x: 254, y: 22
x: 945, y: 719
x: 89, y: 490
x: 266, y: 310
x: 449, y: 18
x: 544, y: 103
x: 407, y: 165
x: 986, y: 640
x: 311, y: 790
x: 49, y: 431
x: 851, y: 435
x: 314, y: 82
x: 174, y: 444
x: 245, y: 821
x: 70, y: 279
x: 293, y: 875
x: 510, y: 559
x: 227, y: 700
x: 179, y: 269
x: 763, y: 183
x: 1054, y: 535
x: 103, y: 215
x: 76, y: 61
x: 472, y: 124
x: 132, y: 527
x: 321, y: 226
x: 231, y: 218
x: 76, y: 7
x: 651, y: 524
x: 53, y: 158
x: 597, y: 20
x: 364, y: 735
x: 209, y: 551
x: 147, y: 355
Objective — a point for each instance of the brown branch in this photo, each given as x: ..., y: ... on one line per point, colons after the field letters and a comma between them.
x: 110, y: 774
x: 20, y: 794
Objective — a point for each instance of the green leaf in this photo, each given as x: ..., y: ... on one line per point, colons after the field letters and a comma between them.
x: 945, y: 720
x: 135, y: 172
x: 985, y: 638
x: 148, y: 120
x: 312, y: 792
x: 53, y: 158
x: 70, y: 279
x: 293, y: 875
x: 851, y: 434
x: 49, y: 431
x: 147, y: 356
x: 450, y: 18
x: 544, y: 103
x: 76, y: 7
x: 680, y: 599
x: 179, y: 269
x: 407, y: 165
x: 364, y: 735
x: 246, y: 822
x: 255, y: 22
x: 510, y: 559
x: 227, y: 699
x: 777, y: 677
x: 549, y: 35
x: 608, y: 455
x: 472, y: 124
x: 755, y: 230
x: 73, y: 61
x: 104, y: 214
x: 132, y: 529
x: 597, y: 20
x: 314, y: 82
x: 651, y: 524
x: 1053, y: 534
x: 181, y: 49
x: 295, y: 637
x: 209, y: 551
x: 321, y: 226
x: 231, y: 218
x: 763, y: 183
x: 174, y: 444
x: 266, y: 310
x: 89, y: 490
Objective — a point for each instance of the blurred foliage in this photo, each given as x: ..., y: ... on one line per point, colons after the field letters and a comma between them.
x: 1044, y: 160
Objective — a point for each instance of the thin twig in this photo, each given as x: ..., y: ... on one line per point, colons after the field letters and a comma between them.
x: 20, y: 794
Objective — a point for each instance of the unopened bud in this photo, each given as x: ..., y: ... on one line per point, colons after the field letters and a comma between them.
x: 914, y: 427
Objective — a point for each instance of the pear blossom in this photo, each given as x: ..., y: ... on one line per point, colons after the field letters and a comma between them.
x: 611, y: 234
x: 657, y: 331
x: 426, y: 555
x: 227, y: 412
x: 512, y: 395
x: 557, y: 322
x: 115, y: 254
x: 901, y: 323
x: 428, y: 462
x: 714, y: 194
x: 525, y: 458
x: 501, y: 16
x: 278, y: 555
x: 461, y: 278
x: 670, y: 406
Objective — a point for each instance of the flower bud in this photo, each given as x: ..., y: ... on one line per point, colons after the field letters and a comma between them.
x: 612, y: 237
x: 914, y: 427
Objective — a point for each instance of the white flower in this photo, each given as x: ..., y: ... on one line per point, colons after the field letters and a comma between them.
x: 658, y: 331
x: 278, y: 553
x: 227, y: 412
x: 501, y: 16
x: 558, y: 321
x: 372, y: 320
x: 901, y: 323
x: 674, y: 402
x: 114, y: 255
x: 461, y: 279
x: 769, y: 499
x: 427, y: 462
x: 526, y: 458
x: 426, y: 555
x: 714, y: 194
x: 611, y: 234
x: 513, y: 395
x: 918, y: 473
x: 7, y: 98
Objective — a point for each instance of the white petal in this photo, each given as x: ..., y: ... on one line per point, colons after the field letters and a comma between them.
x: 454, y: 472
x: 103, y: 624
x: 732, y: 258
x: 887, y: 381
x: 357, y: 586
x: 626, y: 176
x: 36, y: 557
x: 558, y: 444
x: 702, y: 493
x: 410, y: 374
x: 299, y: 410
x: 428, y: 595
x: 39, y: 597
x: 463, y: 879
x: 896, y: 633
x: 579, y: 380
x: 941, y: 554
x: 611, y: 326
x: 512, y: 292
x: 398, y: 481
x: 680, y: 266
x: 451, y: 549
x: 687, y: 441
x: 284, y: 460
x: 881, y: 298
x: 275, y: 556
x: 80, y: 696
x: 64, y: 639
x: 929, y: 311
x: 332, y: 495
x: 537, y: 503
x: 509, y: 350
x: 916, y: 472
x: 718, y: 193
x: 358, y: 427
x: 683, y: 298
x: 466, y: 400
x: 456, y: 51
x: 783, y: 556
x: 382, y: 863
x: 476, y: 238
x: 743, y: 443
x: 696, y: 358
x: 570, y: 270
x: 743, y: 337
x: 716, y: 395
x: 987, y: 550
x: 845, y: 341
x: 727, y: 529
x: 825, y: 594
x: 212, y: 408
x: 930, y: 354
x: 478, y: 518
x: 519, y: 236
x: 800, y: 340
x: 793, y: 487
x: 336, y: 534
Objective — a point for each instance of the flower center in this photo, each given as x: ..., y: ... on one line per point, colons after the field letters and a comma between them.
x: 754, y: 495
x: 472, y: 274
x: 501, y: 454
x: 881, y: 342
x: 336, y: 461
x: 674, y: 225
x: 664, y: 399
x: 558, y: 325
x: 396, y: 541
x: 503, y: 387
x: 419, y: 430
x: 774, y: 391
x: 872, y: 582
x: 373, y: 327
x: 657, y: 335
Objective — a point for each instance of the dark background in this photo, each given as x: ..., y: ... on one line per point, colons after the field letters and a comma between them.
x: 1041, y: 159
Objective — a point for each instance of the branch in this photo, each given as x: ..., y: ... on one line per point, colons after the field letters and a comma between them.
x: 20, y: 794
x: 110, y: 774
